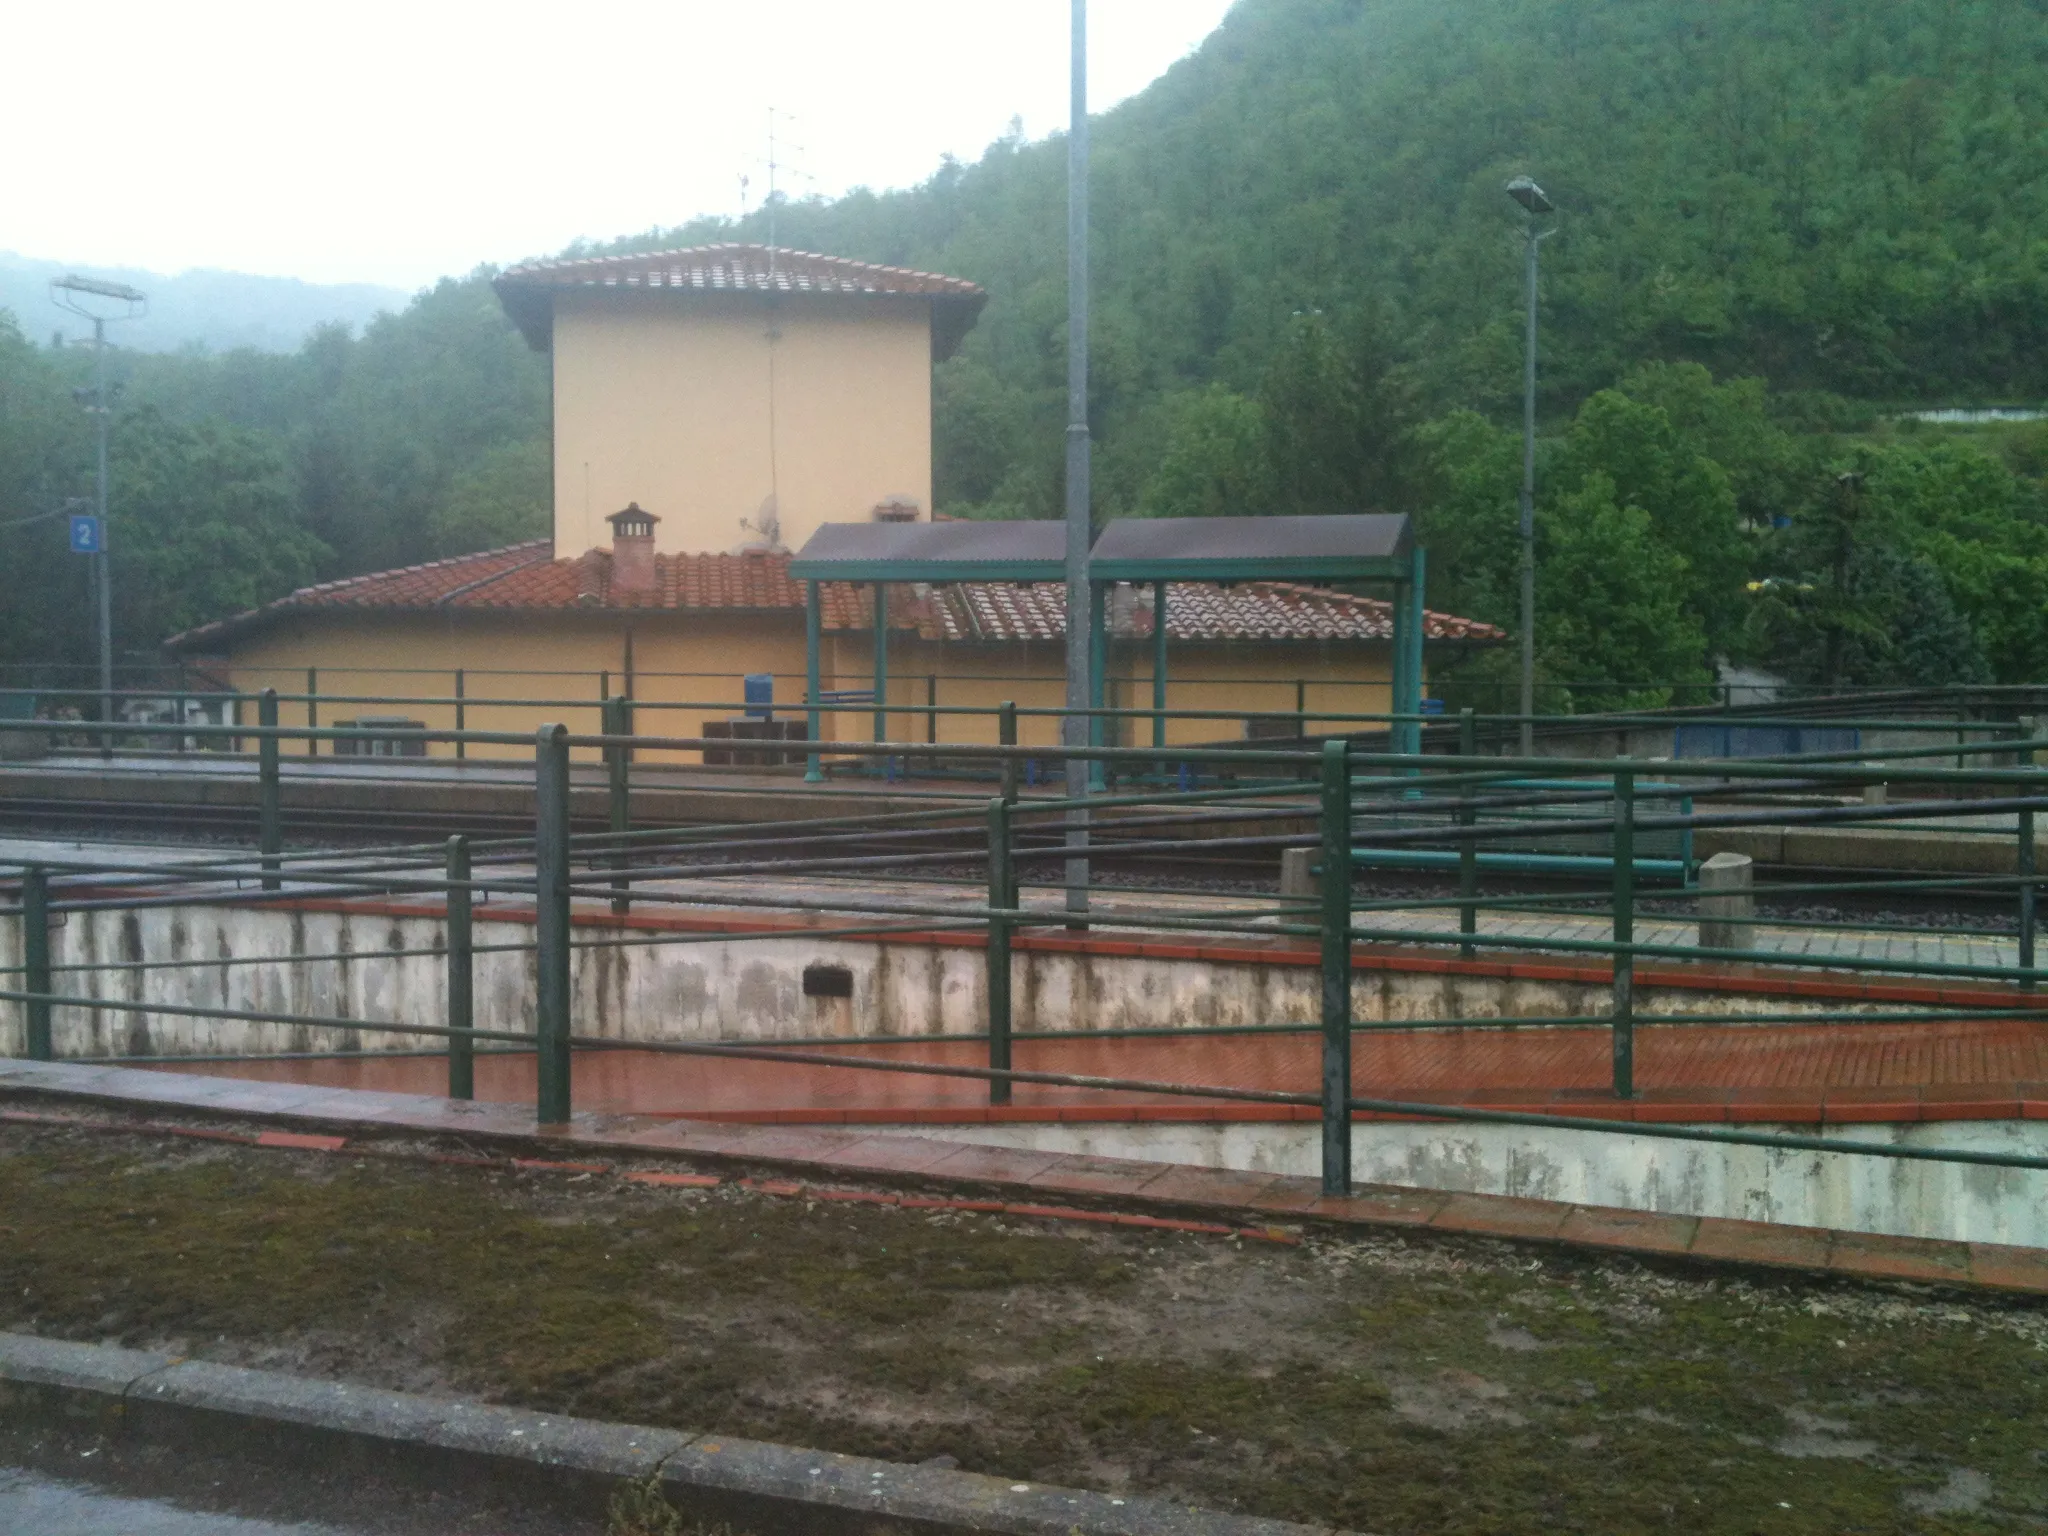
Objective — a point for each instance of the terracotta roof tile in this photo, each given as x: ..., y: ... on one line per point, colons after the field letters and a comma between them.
x: 526, y: 578
x: 528, y: 292
x: 735, y: 269
x: 1252, y: 610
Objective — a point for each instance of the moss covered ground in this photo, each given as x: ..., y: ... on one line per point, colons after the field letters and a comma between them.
x: 1385, y: 1384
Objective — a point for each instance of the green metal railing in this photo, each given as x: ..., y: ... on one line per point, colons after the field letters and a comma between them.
x: 1475, y: 815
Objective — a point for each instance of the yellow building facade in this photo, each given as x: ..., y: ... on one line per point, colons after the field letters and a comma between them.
x: 733, y: 400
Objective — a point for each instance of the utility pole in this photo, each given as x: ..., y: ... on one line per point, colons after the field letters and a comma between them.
x: 70, y: 292
x: 1076, y: 730
x: 1532, y: 199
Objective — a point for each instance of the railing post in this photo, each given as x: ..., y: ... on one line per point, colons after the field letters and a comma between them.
x: 1468, y: 846
x: 551, y: 922
x: 1336, y: 925
x: 931, y: 704
x: 1002, y: 898
x: 461, y: 714
x: 269, y: 804
x: 618, y: 721
x: 1624, y: 932
x: 2024, y: 864
x: 1006, y: 734
x: 814, y: 629
x: 35, y: 961
x: 312, y: 710
x: 461, y: 974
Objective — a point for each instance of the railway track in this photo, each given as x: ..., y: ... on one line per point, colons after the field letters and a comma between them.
x: 1229, y: 873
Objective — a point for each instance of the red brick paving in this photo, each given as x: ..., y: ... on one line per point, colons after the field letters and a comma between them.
x: 1156, y: 1189
x: 1969, y: 1069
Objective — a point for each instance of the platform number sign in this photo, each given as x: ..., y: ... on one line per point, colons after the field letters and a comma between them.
x: 86, y: 536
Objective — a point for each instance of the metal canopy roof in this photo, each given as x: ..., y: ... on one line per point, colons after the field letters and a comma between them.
x: 1359, y: 547
x: 962, y: 551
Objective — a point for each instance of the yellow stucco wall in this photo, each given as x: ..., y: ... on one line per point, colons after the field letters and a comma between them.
x: 520, y: 671
x: 700, y: 407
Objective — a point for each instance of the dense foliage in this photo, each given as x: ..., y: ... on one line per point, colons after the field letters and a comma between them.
x: 1780, y: 221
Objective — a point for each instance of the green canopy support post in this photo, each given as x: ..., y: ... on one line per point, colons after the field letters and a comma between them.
x: 1406, y: 734
x: 2024, y: 864
x: 1468, y: 846
x: 312, y: 710
x: 1159, y: 666
x: 1098, y: 653
x: 618, y: 721
x: 461, y: 975
x: 269, y: 804
x: 1006, y: 735
x: 814, y: 635
x: 1336, y: 924
x: 551, y: 922
x: 881, y: 663
x: 35, y: 961
x: 1624, y: 933
x: 1002, y: 900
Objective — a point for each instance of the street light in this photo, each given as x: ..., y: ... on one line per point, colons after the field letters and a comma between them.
x: 73, y: 292
x: 1535, y: 204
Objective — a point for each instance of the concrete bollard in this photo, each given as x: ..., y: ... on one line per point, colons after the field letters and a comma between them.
x: 1728, y: 902
x: 1297, y: 877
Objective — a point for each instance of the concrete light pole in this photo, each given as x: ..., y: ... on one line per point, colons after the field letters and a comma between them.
x: 71, y: 292
x: 1530, y: 196
x: 1080, y: 528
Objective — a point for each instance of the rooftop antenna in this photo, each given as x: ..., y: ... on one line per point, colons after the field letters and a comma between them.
x: 100, y: 302
x: 776, y: 166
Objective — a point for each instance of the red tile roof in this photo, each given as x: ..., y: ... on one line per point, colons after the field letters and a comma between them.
x: 526, y: 578
x: 735, y: 269
x: 1252, y: 610
x: 527, y: 291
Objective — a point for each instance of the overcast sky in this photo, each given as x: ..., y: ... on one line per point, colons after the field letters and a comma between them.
x: 392, y: 142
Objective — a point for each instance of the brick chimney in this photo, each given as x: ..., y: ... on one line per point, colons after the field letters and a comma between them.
x: 632, y: 549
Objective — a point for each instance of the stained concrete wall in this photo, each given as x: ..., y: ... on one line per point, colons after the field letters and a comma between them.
x: 387, y: 968
x: 1808, y: 1189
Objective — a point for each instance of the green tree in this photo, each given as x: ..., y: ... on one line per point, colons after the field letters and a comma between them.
x: 1686, y: 495
x: 1214, y: 460
x: 1609, y: 605
x: 206, y: 525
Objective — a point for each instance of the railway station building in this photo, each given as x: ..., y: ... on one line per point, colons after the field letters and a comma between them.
x: 713, y: 409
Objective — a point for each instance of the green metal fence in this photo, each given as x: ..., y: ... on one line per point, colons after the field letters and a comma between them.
x: 995, y: 867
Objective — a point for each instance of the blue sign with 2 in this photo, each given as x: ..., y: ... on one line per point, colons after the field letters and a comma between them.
x: 85, y: 536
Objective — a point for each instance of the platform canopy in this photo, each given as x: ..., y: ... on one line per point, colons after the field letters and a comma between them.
x: 1372, y: 546
x: 958, y: 551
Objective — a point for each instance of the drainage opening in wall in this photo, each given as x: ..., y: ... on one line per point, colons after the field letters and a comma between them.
x: 828, y: 981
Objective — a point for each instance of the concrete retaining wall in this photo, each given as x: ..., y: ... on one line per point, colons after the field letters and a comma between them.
x: 704, y: 987
x: 1809, y: 1189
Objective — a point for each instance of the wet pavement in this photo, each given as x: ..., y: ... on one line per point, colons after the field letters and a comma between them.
x: 35, y: 1502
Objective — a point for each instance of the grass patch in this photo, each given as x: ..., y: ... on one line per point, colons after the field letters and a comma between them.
x: 1384, y: 1384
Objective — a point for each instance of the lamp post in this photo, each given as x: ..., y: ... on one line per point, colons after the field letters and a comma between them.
x: 1535, y: 204
x: 1077, y: 730
x: 72, y: 292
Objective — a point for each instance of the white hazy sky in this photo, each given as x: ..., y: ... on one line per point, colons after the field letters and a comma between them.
x: 395, y: 142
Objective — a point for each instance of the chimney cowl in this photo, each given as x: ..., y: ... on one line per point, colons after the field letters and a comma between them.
x: 897, y: 509
x: 632, y: 549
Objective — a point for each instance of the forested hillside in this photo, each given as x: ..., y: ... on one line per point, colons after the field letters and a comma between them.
x: 1780, y: 221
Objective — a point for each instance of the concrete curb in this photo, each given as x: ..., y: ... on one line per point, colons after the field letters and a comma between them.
x: 571, y: 1461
